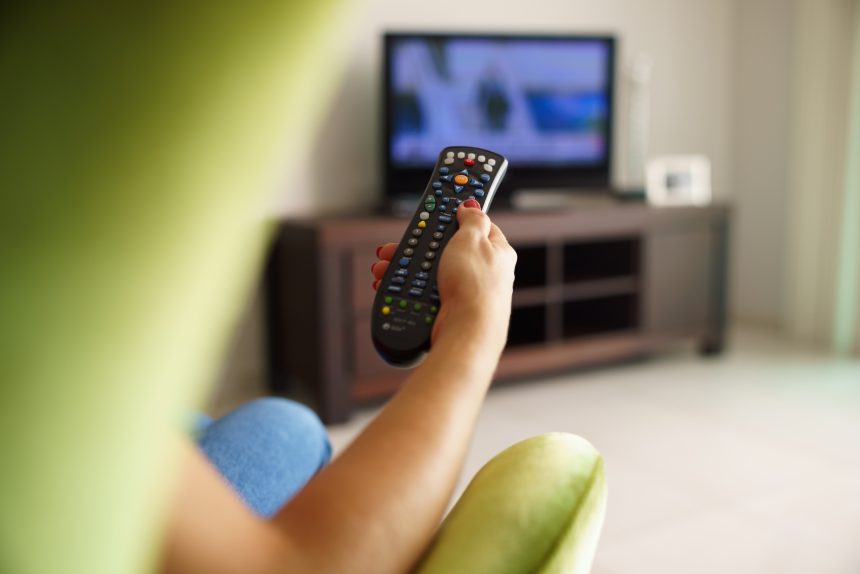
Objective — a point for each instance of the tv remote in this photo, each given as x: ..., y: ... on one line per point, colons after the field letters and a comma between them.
x: 407, y: 301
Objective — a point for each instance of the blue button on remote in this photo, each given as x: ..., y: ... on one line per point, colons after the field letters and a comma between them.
x: 485, y: 177
x: 404, y: 262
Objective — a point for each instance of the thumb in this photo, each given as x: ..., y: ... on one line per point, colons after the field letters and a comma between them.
x: 470, y: 216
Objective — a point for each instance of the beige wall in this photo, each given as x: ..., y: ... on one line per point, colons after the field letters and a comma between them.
x: 762, y: 111
x: 689, y: 42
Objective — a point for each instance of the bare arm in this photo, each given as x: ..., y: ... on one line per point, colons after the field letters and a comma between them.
x: 375, y: 508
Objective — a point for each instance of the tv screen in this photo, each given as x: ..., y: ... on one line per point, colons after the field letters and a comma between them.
x: 543, y: 102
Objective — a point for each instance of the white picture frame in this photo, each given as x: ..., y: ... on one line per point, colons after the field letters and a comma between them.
x: 679, y: 180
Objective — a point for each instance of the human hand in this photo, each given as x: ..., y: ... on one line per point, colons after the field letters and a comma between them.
x: 475, y: 278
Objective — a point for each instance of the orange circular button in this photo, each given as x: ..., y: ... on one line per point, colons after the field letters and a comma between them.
x: 461, y: 179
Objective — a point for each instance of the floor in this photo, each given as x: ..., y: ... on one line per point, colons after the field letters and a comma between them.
x: 749, y: 463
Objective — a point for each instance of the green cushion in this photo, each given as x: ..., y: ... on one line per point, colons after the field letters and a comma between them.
x: 536, y: 507
x: 142, y: 143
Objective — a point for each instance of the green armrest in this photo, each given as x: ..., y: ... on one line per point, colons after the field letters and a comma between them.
x: 536, y: 507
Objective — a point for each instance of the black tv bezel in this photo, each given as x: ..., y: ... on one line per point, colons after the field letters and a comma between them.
x: 401, y: 181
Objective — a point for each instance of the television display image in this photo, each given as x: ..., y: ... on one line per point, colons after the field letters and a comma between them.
x: 540, y: 101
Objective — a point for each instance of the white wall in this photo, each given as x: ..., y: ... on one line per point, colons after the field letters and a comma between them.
x: 689, y: 42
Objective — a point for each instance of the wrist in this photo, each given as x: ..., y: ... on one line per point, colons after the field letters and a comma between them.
x: 475, y: 325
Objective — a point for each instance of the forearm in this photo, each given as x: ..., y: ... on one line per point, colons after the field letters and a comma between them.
x: 377, y: 505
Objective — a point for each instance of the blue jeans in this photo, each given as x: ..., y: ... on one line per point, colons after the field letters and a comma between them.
x: 267, y: 450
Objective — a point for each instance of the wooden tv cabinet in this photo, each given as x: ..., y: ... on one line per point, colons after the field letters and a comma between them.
x: 593, y: 284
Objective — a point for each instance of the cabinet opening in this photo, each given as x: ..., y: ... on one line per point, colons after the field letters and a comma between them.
x: 528, y: 326
x: 600, y: 315
x: 531, y: 266
x: 584, y: 261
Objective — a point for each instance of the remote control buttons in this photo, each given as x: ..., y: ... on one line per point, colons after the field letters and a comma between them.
x: 434, y: 245
x: 430, y: 204
x: 479, y: 193
x: 449, y: 154
x: 416, y: 292
x: 428, y: 319
x: 434, y: 309
x: 424, y: 216
x: 395, y: 288
x: 491, y: 161
x: 417, y: 306
x: 449, y: 160
x: 443, y: 171
x: 426, y: 266
x: 438, y: 235
x: 469, y: 162
x: 437, y: 185
x: 461, y: 155
x: 475, y: 183
x: 404, y: 262
x: 422, y: 224
x: 458, y: 188
x: 408, y: 252
x: 398, y: 280
x: 430, y: 255
x: 445, y: 218
x: 482, y: 159
x: 417, y: 232
x: 488, y: 167
x: 419, y: 283
x: 446, y: 178
x: 403, y: 304
x: 485, y: 178
x: 412, y: 241
x: 386, y: 310
x: 388, y: 299
x: 461, y: 179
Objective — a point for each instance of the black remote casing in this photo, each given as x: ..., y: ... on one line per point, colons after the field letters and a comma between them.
x: 405, y: 308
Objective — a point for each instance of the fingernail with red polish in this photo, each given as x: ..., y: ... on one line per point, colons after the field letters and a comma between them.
x: 378, y: 249
x: 375, y: 284
x: 471, y: 203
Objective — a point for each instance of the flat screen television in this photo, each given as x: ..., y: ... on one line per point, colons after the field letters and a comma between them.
x: 545, y: 102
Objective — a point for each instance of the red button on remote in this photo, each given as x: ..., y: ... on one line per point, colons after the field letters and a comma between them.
x: 469, y: 162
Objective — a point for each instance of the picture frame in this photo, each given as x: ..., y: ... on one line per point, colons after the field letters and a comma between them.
x: 679, y: 180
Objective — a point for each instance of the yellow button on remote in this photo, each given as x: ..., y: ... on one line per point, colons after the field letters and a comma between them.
x: 422, y: 224
x: 386, y: 310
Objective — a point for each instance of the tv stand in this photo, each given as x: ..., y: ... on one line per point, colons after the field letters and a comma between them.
x: 593, y: 284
